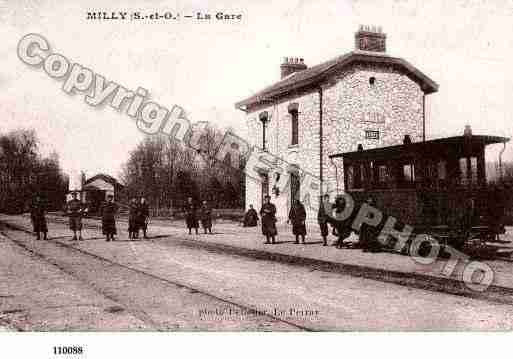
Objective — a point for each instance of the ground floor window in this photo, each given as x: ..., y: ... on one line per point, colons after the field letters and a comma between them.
x: 264, y: 177
x: 294, y: 187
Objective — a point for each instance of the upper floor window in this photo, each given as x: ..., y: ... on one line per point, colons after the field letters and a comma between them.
x: 294, y: 120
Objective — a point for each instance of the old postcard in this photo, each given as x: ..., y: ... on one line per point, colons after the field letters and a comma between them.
x: 226, y: 166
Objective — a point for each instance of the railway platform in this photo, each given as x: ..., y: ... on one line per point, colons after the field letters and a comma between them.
x: 229, y: 237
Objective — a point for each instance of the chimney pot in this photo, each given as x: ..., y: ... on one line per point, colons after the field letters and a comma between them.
x: 291, y: 65
x: 369, y: 38
x: 467, y: 131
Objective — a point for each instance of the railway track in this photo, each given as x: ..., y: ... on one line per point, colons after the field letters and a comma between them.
x: 166, y: 305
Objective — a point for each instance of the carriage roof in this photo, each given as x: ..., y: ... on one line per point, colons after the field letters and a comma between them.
x: 438, y: 147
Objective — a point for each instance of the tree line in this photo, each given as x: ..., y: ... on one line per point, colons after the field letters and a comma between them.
x: 24, y: 172
x: 166, y: 172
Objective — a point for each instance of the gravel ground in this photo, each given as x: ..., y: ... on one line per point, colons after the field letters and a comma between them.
x: 165, y: 284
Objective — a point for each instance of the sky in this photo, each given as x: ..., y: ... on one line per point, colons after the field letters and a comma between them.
x: 207, y: 66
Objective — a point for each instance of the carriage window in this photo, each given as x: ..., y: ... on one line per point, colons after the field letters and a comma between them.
x: 419, y: 171
x: 371, y: 173
x: 473, y: 170
x: 408, y: 174
x: 463, y: 171
x: 382, y: 174
x: 442, y: 170
x: 468, y: 171
x: 349, y: 177
x: 359, y: 176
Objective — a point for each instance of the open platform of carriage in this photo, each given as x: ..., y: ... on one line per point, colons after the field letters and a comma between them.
x: 438, y: 187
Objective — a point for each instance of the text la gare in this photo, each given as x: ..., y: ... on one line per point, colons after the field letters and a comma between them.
x: 218, y: 16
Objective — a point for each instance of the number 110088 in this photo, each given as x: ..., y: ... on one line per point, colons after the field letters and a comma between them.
x: 67, y: 350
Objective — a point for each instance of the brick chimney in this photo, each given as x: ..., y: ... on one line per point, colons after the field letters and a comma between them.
x: 291, y: 65
x: 370, y: 38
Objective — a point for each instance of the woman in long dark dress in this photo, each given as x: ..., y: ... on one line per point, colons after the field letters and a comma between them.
x: 133, y: 219
x: 142, y: 217
x: 250, y: 218
x: 297, y: 217
x: 268, y: 214
x: 109, y: 210
x: 206, y: 217
x: 38, y: 217
x: 191, y: 217
x: 324, y: 213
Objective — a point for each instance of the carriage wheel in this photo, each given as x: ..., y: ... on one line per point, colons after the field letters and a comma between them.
x: 424, y: 248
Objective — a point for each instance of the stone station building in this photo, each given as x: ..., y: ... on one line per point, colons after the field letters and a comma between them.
x: 365, y: 97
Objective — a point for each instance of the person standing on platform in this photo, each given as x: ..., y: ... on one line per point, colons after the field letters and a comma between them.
x: 206, y: 217
x: 191, y: 219
x: 144, y: 215
x: 75, y: 211
x: 133, y: 219
x: 109, y: 210
x: 325, y: 211
x: 268, y: 214
x: 38, y: 217
x: 368, y: 235
x: 297, y: 216
x: 250, y: 218
x: 342, y: 227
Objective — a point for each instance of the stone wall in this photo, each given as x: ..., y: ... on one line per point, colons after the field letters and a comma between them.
x: 393, y: 105
x: 304, y: 155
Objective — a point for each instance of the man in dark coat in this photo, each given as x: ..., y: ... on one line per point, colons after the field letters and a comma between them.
x: 133, y: 219
x: 297, y: 217
x: 75, y: 210
x: 368, y: 235
x: 342, y: 228
x: 325, y: 211
x: 144, y: 214
x: 109, y: 210
x: 268, y: 214
x: 250, y: 218
x: 191, y: 219
x: 37, y: 215
x: 206, y: 217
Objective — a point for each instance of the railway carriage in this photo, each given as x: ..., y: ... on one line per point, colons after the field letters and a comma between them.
x: 438, y: 187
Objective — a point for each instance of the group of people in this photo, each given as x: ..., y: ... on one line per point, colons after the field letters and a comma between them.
x: 138, y: 216
x: 194, y: 215
x: 329, y: 214
x: 76, y: 210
